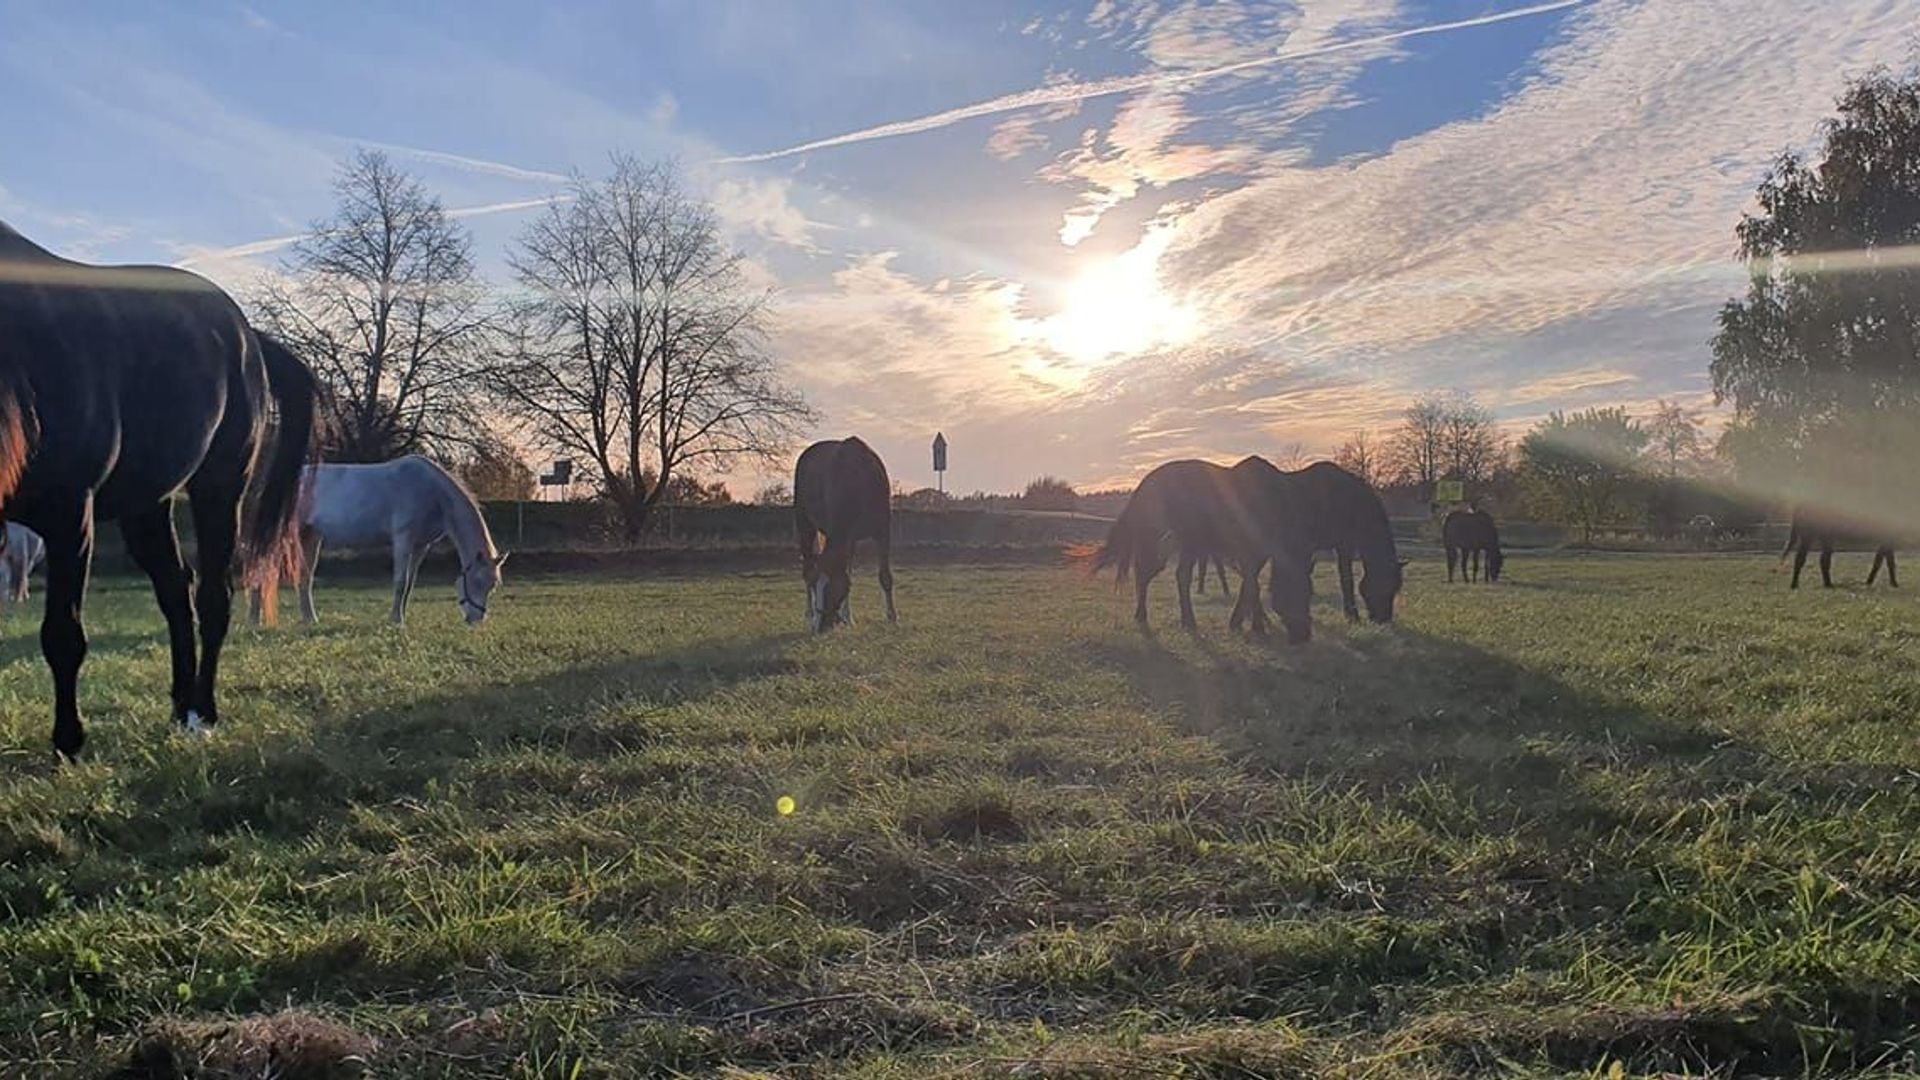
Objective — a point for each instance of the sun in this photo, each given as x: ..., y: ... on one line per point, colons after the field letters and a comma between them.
x: 1117, y: 307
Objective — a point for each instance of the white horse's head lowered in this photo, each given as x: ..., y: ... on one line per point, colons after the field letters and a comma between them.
x: 477, y: 581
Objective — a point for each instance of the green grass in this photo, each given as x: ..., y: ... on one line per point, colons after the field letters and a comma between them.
x: 1618, y: 816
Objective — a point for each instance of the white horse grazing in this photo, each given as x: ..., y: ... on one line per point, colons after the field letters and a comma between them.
x: 24, y: 550
x: 409, y: 503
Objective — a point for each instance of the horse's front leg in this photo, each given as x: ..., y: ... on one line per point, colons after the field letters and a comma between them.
x: 309, y: 565
x: 1826, y: 565
x: 402, y: 565
x: 63, y: 639
x: 1345, y: 558
x: 1183, y: 580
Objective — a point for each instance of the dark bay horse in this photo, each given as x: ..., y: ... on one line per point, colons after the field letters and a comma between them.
x: 1468, y: 533
x: 1206, y: 511
x: 841, y: 491
x: 121, y: 387
x: 1324, y: 507
x: 1810, y: 528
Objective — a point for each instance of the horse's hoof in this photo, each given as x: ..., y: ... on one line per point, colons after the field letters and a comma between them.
x: 195, y: 726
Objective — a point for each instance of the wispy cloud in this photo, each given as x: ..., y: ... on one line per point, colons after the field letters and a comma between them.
x: 1083, y: 91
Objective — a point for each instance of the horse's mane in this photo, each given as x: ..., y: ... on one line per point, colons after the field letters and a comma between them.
x: 457, y: 488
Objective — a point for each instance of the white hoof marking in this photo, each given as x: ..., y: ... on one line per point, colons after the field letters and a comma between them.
x: 197, y: 727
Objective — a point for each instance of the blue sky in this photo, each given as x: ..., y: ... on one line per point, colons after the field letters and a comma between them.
x: 1282, y: 221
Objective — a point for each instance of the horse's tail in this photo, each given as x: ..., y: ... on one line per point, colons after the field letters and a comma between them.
x: 1793, y: 538
x: 1117, y: 551
x: 273, y: 536
x: 16, y: 429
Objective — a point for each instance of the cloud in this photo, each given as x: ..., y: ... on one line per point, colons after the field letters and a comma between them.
x: 1083, y: 91
x: 763, y: 207
x: 201, y: 258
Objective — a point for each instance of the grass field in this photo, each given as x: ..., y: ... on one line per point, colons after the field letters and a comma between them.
x: 1619, y: 815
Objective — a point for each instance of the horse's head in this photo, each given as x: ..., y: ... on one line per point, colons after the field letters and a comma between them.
x: 828, y: 585
x: 477, y: 581
x: 1380, y: 585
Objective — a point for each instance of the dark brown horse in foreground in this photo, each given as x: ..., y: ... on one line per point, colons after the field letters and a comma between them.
x: 121, y: 387
x: 840, y: 490
x: 1809, y: 529
x: 1323, y: 507
x: 1204, y: 511
x: 1469, y: 533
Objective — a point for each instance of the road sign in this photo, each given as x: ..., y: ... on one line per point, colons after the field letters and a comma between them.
x: 939, y: 452
x: 1449, y: 491
x: 561, y: 476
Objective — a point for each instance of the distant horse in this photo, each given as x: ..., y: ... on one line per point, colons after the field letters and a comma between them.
x: 1206, y: 511
x: 23, y: 550
x: 406, y: 504
x: 1809, y: 529
x: 1467, y: 534
x: 1325, y: 507
x: 119, y: 388
x: 841, y: 491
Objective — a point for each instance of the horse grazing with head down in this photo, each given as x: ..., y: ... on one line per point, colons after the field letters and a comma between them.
x: 1810, y: 527
x: 407, y: 504
x: 840, y: 491
x: 121, y: 387
x: 1205, y: 511
x: 1468, y: 534
x: 1323, y: 507
x: 23, y: 550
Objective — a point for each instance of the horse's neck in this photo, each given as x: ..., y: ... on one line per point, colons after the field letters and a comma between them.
x: 464, y: 522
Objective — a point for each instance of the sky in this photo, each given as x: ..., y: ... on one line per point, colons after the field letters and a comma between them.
x: 1078, y: 238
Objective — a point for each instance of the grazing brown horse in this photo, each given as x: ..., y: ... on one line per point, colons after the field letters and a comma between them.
x: 121, y: 387
x: 840, y: 489
x: 1467, y: 534
x: 1207, y: 511
x: 1324, y: 507
x: 1810, y: 528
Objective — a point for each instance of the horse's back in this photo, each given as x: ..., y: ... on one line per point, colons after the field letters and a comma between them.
x: 841, y: 484
x: 141, y: 366
x: 359, y: 505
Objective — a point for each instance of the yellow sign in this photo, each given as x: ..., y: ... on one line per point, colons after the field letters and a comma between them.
x: 1449, y: 491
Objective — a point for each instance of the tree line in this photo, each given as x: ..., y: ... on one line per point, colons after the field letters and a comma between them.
x: 631, y: 339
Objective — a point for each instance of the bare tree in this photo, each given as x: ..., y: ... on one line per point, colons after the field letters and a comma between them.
x: 383, y: 301
x: 1292, y: 456
x: 1360, y: 456
x: 1416, y: 451
x: 639, y: 343
x: 1674, y: 437
x: 1471, y: 447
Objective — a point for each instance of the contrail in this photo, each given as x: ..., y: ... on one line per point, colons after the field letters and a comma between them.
x: 1082, y: 91
x: 469, y: 164
x: 275, y: 243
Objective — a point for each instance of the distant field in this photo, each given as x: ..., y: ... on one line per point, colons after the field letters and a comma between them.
x: 1633, y: 813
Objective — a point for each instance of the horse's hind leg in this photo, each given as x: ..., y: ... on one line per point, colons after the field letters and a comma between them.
x: 1874, y: 572
x: 886, y: 576
x: 63, y: 639
x: 216, y: 530
x: 1145, y: 569
x: 1453, y: 555
x: 1826, y: 565
x: 1799, y: 560
x: 1893, y: 581
x: 156, y: 550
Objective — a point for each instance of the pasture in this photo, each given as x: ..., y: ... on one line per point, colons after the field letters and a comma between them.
x: 1617, y: 815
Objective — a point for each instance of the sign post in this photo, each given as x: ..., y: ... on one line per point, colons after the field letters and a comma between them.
x: 940, y: 460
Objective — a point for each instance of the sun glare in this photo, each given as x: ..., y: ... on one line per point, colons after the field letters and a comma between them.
x: 1117, y: 307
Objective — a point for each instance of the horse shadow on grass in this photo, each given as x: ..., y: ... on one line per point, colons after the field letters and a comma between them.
x: 285, y: 791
